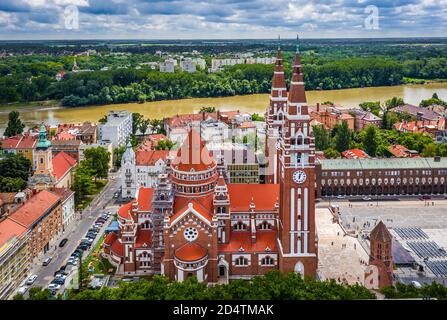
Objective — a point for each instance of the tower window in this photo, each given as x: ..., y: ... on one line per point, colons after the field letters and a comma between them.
x: 267, y: 261
x: 241, y: 261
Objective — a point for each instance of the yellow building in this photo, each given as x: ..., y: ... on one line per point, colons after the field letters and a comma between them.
x: 24, y: 145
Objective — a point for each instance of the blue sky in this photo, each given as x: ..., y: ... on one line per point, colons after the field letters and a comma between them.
x: 189, y: 19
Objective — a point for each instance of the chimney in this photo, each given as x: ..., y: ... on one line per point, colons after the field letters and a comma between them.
x: 203, y: 116
x: 318, y: 107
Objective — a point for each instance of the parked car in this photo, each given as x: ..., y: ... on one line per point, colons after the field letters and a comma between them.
x: 98, y: 225
x: 93, y: 229
x: 22, y: 290
x: 366, y: 198
x: 32, y: 278
x: 47, y: 261
x: 341, y: 197
x: 54, y: 286
x: 105, y: 216
x: 416, y: 284
x: 425, y: 197
x: 63, y: 242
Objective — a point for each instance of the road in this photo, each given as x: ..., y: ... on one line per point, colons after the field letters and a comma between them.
x: 75, y: 232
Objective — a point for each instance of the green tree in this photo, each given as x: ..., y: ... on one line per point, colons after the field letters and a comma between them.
x: 165, y: 145
x: 15, y: 166
x: 331, y: 153
x: 257, y: 117
x: 144, y: 125
x: 8, y: 184
x: 118, y: 154
x: 15, y: 125
x: 322, y: 137
x: 38, y: 293
x: 394, y: 102
x: 373, y: 107
x: 157, y: 126
x: 103, y: 120
x: 98, y: 159
x: 207, y: 110
x: 136, y: 121
x: 370, y: 144
x: 83, y: 180
x: 343, y: 137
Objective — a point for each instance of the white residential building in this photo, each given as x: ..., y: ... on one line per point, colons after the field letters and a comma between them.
x: 188, y: 65
x: 214, y: 130
x: 118, y: 128
x: 168, y: 66
x: 141, y: 169
x: 68, y: 206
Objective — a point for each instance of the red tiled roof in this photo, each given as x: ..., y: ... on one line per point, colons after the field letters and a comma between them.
x: 10, y: 229
x: 203, y: 205
x: 145, y: 199
x: 185, y: 119
x: 150, y: 157
x: 110, y: 238
x: 381, y: 233
x: 62, y: 163
x: 247, y: 125
x: 191, y: 251
x: 125, y: 211
x: 34, y: 208
x: 64, y: 135
x: 11, y: 142
x: 144, y: 237
x: 193, y: 154
x: 264, y: 240
x: 64, y: 193
x: 355, y: 154
x: 117, y: 248
x: 398, y: 151
x: 264, y: 196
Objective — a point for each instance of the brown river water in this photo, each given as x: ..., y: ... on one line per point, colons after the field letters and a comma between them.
x: 347, y: 98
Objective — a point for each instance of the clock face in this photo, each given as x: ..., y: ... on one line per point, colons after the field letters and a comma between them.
x: 299, y: 176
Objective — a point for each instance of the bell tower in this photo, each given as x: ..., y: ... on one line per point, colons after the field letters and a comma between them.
x: 275, y: 119
x: 297, y: 236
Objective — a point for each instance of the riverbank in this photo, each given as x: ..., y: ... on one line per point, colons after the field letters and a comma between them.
x: 347, y: 98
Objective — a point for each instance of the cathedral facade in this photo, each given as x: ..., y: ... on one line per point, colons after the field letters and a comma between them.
x: 194, y: 223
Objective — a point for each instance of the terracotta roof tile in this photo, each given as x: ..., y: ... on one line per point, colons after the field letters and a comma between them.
x: 191, y: 251
x: 62, y: 163
x: 381, y: 233
x: 34, y: 208
x: 150, y: 157
x: 265, y: 242
x: 10, y: 229
x: 264, y: 196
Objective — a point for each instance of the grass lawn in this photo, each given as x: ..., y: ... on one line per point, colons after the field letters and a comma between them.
x: 100, y: 265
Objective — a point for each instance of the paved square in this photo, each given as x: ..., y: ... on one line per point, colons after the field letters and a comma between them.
x: 339, y: 255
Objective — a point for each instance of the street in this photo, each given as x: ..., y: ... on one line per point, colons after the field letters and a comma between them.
x: 75, y: 232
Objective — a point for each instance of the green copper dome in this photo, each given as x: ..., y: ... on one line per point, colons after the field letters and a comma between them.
x: 43, y: 143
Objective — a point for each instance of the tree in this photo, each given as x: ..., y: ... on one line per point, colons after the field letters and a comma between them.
x: 331, y: 153
x: 103, y: 120
x: 144, y: 125
x: 207, y: 110
x: 15, y: 166
x: 15, y: 125
x: 343, y: 137
x: 373, y: 107
x: 118, y: 154
x: 165, y: 145
x: 157, y: 126
x: 38, y: 293
x: 394, y: 102
x: 8, y: 184
x: 98, y: 159
x: 83, y: 180
x: 370, y: 143
x: 257, y: 117
x: 136, y: 120
x: 322, y: 137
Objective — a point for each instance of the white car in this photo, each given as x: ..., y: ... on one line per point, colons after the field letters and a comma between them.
x: 416, y: 284
x: 341, y: 197
x: 54, y: 286
x: 22, y: 290
x: 366, y: 198
x: 60, y: 276
x: 31, y: 279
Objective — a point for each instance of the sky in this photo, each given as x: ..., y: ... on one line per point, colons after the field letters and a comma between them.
x: 220, y: 19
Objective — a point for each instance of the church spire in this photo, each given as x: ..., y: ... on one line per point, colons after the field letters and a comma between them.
x: 297, y: 93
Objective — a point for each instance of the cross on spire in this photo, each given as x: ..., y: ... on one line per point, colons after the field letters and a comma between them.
x: 297, y: 43
x: 279, y: 41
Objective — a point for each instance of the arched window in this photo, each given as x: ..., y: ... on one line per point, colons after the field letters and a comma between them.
x: 240, y: 226
x: 241, y: 261
x: 265, y: 226
x: 267, y: 261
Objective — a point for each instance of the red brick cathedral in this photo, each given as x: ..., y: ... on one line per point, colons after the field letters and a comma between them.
x: 196, y: 224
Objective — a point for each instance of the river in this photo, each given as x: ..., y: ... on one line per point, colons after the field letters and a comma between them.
x: 347, y: 98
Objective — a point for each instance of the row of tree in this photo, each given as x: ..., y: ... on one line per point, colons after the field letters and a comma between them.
x: 373, y: 141
x: 272, y: 286
x: 14, y: 173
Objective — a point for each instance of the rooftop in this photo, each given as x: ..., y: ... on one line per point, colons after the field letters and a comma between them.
x: 9, y: 230
x: 384, y: 163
